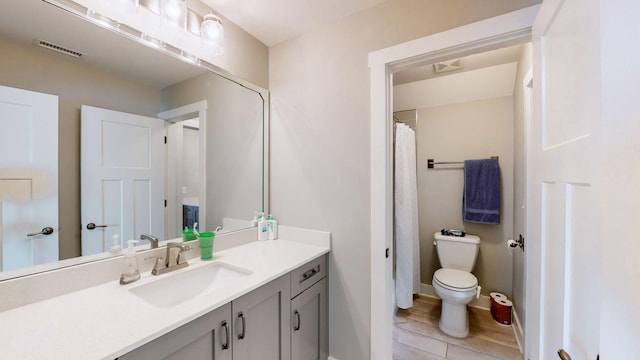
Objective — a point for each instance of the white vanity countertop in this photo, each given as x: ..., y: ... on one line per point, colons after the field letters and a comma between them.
x: 106, y: 321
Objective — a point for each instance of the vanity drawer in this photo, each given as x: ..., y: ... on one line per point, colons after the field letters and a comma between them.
x: 308, y: 274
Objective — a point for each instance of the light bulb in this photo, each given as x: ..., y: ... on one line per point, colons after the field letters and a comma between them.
x: 174, y: 12
x: 126, y: 5
x: 212, y: 33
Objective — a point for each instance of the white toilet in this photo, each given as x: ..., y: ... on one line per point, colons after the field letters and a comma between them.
x: 454, y: 283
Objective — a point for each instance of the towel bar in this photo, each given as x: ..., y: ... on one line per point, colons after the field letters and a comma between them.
x: 431, y: 163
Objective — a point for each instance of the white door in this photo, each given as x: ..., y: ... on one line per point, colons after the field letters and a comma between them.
x: 564, y: 224
x: 122, y: 181
x: 183, y: 173
x: 28, y: 178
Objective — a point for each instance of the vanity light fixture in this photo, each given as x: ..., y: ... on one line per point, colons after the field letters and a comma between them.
x: 174, y: 12
x: 125, y: 5
x: 212, y: 33
x: 102, y: 20
x: 151, y: 41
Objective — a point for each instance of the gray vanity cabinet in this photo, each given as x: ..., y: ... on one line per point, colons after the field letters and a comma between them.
x: 285, y: 319
x: 309, y: 311
x: 207, y: 337
x: 261, y: 323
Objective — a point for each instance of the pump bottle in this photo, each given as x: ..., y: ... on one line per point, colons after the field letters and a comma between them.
x: 130, y: 272
x: 263, y: 227
x: 272, y: 224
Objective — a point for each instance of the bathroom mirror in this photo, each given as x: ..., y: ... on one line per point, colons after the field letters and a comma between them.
x: 215, y: 162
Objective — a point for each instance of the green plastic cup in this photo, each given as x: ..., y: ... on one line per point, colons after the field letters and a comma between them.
x: 188, y: 235
x: 205, y: 240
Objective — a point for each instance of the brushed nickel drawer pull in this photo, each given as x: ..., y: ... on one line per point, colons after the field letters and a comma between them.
x: 296, y: 327
x: 244, y: 327
x: 310, y: 273
x: 225, y: 344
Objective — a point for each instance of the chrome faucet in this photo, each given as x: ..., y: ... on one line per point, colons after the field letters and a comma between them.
x: 171, y: 262
x: 151, y: 238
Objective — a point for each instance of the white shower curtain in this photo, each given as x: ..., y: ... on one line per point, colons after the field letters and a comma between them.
x: 406, y: 218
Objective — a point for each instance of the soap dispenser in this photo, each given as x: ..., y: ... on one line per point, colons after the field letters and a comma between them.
x: 130, y: 272
x: 272, y: 232
x: 263, y: 227
x: 115, y: 247
x: 254, y: 222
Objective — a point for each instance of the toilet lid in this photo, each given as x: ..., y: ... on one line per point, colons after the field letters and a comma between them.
x: 455, y: 279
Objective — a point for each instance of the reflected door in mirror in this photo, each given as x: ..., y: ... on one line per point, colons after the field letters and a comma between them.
x: 122, y: 181
x: 28, y: 178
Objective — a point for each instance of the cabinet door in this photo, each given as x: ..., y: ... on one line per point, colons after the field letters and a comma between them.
x: 261, y: 323
x: 309, y: 323
x: 201, y: 339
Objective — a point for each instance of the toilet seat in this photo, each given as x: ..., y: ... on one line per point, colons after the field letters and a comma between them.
x: 455, y: 280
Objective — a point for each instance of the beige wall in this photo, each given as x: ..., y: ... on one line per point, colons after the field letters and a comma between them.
x: 472, y: 130
x: 75, y: 84
x: 520, y: 190
x: 234, y: 144
x: 319, y: 85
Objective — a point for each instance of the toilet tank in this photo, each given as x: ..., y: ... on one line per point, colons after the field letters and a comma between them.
x: 457, y: 252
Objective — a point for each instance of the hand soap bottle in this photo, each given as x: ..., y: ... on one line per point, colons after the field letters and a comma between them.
x: 254, y: 222
x: 272, y: 224
x: 115, y: 247
x: 263, y: 227
x: 130, y: 272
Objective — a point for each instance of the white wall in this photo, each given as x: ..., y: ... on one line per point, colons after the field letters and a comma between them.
x: 619, y: 179
x: 470, y: 130
x: 320, y: 179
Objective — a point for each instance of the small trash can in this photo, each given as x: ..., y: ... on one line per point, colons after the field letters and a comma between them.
x: 501, y: 310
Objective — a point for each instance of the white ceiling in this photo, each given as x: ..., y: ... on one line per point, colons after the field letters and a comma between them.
x: 485, y: 83
x: 274, y: 21
x: 472, y: 62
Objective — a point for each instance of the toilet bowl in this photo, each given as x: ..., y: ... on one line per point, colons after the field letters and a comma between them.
x: 456, y: 288
x: 454, y: 283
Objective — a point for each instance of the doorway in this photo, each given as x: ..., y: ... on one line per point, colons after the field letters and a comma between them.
x: 489, y: 34
x: 474, y: 110
x: 177, y: 191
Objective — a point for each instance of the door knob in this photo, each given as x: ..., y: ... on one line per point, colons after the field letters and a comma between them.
x: 91, y: 226
x: 45, y: 231
x: 563, y: 355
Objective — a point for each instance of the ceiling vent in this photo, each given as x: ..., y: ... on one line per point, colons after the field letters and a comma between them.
x: 58, y: 48
x: 450, y: 65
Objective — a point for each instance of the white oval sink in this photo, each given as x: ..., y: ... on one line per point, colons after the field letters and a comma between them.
x: 173, y: 289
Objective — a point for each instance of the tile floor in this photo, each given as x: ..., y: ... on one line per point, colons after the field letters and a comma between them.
x: 416, y: 336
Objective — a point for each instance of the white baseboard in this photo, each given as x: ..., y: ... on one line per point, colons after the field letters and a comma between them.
x: 517, y: 329
x: 331, y: 358
x: 484, y: 302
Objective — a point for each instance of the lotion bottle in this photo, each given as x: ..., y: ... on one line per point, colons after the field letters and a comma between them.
x: 263, y: 227
x: 272, y: 224
x: 115, y: 247
x: 254, y: 222
x: 130, y: 272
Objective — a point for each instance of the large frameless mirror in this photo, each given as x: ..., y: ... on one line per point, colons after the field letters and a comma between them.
x: 102, y: 135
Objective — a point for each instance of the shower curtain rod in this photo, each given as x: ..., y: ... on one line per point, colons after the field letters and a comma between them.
x: 431, y: 163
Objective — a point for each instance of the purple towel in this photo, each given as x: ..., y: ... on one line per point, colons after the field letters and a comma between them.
x: 481, y: 195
